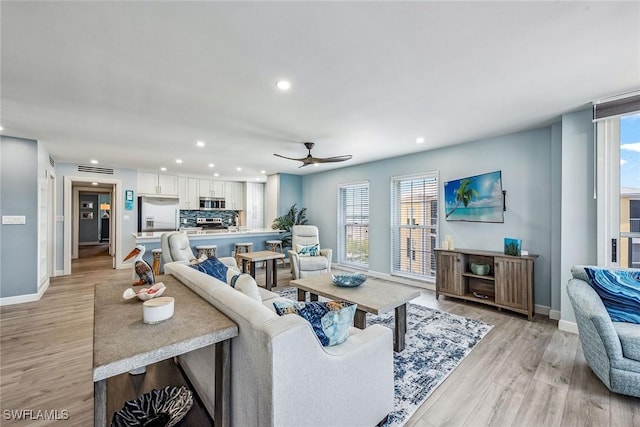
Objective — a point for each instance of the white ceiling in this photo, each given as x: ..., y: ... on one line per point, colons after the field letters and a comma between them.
x: 135, y: 84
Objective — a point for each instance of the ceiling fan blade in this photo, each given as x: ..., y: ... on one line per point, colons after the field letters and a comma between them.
x: 309, y: 159
x: 290, y: 158
x: 332, y: 159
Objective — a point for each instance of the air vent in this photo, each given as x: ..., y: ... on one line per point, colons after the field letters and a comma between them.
x: 52, y: 162
x: 94, y: 169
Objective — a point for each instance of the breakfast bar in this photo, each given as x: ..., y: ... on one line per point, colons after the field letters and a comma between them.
x: 224, y: 239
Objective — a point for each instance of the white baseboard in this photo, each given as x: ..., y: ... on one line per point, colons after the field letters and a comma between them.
x: 554, y: 314
x: 572, y: 327
x: 20, y: 299
x: 58, y: 273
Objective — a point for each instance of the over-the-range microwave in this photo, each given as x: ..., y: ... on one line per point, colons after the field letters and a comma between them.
x: 211, y: 203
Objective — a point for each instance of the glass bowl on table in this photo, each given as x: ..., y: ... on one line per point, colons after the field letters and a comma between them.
x: 348, y: 280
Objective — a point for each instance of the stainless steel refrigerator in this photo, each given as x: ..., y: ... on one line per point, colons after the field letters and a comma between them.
x: 158, y: 214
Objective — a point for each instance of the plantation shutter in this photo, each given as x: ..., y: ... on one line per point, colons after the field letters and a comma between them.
x: 353, y: 224
x: 414, y: 225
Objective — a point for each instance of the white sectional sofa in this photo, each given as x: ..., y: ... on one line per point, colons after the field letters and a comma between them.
x: 280, y: 373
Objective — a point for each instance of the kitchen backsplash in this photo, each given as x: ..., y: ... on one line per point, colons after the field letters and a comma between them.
x: 228, y: 217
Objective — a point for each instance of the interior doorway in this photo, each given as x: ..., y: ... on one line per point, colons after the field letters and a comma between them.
x: 97, y: 211
x: 94, y: 222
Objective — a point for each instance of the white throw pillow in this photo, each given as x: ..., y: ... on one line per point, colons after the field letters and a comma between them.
x: 246, y: 284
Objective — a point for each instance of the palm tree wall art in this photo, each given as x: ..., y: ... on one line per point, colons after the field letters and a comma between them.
x: 476, y: 199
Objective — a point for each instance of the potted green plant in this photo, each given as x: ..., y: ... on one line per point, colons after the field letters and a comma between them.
x: 285, y: 222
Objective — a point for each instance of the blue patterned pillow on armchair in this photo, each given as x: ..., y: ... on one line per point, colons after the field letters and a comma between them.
x: 309, y: 250
x: 330, y: 320
x: 619, y: 291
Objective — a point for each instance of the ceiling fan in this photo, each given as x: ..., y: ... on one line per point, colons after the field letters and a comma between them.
x: 309, y: 159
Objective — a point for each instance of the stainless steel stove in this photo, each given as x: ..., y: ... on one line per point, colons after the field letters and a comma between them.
x: 210, y: 223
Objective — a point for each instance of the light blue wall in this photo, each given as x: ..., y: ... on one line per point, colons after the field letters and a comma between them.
x: 556, y: 215
x: 290, y: 193
x: 19, y: 196
x: 525, y: 161
x: 579, y: 209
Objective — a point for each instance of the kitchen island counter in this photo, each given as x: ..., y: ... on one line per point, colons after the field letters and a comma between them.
x: 224, y: 239
x: 154, y: 237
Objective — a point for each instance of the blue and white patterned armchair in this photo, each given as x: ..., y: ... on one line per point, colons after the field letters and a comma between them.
x: 612, y: 349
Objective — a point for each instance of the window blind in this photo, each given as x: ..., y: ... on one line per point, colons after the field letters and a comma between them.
x: 414, y: 225
x: 353, y: 224
x: 618, y: 106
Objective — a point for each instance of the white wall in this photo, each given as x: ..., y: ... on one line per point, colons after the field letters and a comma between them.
x: 129, y: 219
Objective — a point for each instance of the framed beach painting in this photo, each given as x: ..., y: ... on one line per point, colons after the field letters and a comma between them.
x: 476, y: 198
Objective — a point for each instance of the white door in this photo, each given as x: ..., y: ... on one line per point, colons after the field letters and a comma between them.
x: 618, y: 191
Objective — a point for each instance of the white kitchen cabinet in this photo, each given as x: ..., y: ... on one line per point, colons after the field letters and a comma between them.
x: 188, y: 193
x: 153, y: 183
x: 254, y: 205
x: 211, y: 188
x: 234, y: 195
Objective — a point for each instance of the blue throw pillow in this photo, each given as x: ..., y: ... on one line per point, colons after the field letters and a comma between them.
x: 330, y: 320
x: 309, y: 250
x: 619, y: 291
x: 213, y: 267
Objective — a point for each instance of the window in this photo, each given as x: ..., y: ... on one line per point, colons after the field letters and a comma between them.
x: 414, y: 225
x: 353, y: 224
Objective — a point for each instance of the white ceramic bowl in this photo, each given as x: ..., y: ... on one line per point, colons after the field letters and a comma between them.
x: 157, y: 309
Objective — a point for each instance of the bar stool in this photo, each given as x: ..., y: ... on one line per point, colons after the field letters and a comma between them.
x: 157, y: 257
x: 275, y: 246
x: 244, y: 247
x: 208, y: 250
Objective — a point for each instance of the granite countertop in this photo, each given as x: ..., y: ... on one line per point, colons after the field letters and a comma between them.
x: 206, y: 234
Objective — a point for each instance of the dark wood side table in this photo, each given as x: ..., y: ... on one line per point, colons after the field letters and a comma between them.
x: 272, y: 268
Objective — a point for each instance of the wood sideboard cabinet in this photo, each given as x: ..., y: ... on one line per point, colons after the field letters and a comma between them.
x: 508, y: 284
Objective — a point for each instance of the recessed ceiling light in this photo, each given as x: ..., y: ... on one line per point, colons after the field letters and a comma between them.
x: 283, y: 85
x: 94, y: 162
x: 163, y: 169
x: 211, y: 165
x: 216, y: 174
x: 419, y: 140
x: 1, y: 128
x: 263, y: 172
x: 178, y: 161
x: 238, y: 168
x: 200, y: 143
x: 94, y: 183
x: 316, y: 164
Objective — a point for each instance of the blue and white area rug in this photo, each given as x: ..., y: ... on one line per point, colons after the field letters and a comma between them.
x: 435, y: 344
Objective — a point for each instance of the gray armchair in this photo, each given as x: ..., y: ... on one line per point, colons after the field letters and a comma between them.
x: 176, y: 247
x: 612, y: 349
x: 305, y: 266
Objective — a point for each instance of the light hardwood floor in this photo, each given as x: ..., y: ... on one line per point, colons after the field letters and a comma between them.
x: 521, y: 374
